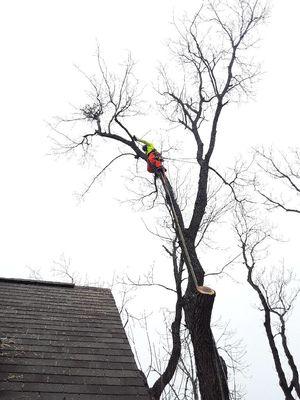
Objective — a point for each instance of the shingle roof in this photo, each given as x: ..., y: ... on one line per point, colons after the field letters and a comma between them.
x: 64, y: 342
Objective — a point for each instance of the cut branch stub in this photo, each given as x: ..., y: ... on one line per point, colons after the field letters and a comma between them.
x: 205, y: 290
x: 212, y: 379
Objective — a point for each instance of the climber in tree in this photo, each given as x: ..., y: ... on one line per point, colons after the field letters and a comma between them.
x: 154, y: 158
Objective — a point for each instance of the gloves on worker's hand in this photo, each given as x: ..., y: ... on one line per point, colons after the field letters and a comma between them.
x: 134, y: 138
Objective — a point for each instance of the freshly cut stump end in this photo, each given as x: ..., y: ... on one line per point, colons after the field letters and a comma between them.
x: 205, y: 290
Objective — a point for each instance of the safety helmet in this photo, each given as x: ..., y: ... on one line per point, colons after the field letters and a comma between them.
x: 144, y: 147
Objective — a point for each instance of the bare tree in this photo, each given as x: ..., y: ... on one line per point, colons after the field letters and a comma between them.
x: 62, y: 268
x: 34, y: 273
x: 213, y: 54
x: 277, y: 294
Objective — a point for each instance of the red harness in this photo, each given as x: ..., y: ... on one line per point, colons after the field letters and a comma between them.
x: 154, y: 161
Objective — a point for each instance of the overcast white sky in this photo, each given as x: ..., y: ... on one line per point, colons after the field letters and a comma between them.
x: 40, y: 216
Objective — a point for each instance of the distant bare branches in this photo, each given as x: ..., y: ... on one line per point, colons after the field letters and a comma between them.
x: 63, y: 269
x: 34, y: 273
x: 285, y: 171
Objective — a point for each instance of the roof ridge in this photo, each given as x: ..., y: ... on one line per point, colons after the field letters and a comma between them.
x: 38, y: 282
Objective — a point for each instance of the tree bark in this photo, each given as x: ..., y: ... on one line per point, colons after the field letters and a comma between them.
x: 290, y: 358
x: 210, y: 371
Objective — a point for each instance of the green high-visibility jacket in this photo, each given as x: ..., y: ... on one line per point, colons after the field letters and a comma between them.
x: 150, y: 146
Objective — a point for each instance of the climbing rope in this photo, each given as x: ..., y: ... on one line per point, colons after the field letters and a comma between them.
x: 175, y: 218
x: 183, y: 160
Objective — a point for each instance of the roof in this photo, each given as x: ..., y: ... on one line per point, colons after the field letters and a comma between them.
x: 64, y: 342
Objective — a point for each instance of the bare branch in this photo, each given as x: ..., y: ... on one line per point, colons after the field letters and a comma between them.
x: 96, y: 177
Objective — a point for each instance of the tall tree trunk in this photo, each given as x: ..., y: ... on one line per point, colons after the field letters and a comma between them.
x: 210, y: 369
x: 295, y: 374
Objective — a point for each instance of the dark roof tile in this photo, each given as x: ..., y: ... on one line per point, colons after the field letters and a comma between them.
x: 64, y: 342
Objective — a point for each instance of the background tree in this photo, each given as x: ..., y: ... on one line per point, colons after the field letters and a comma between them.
x: 256, y: 195
x: 277, y: 292
x: 212, y: 53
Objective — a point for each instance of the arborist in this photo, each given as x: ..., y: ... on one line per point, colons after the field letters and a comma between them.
x: 154, y: 158
x: 154, y: 165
